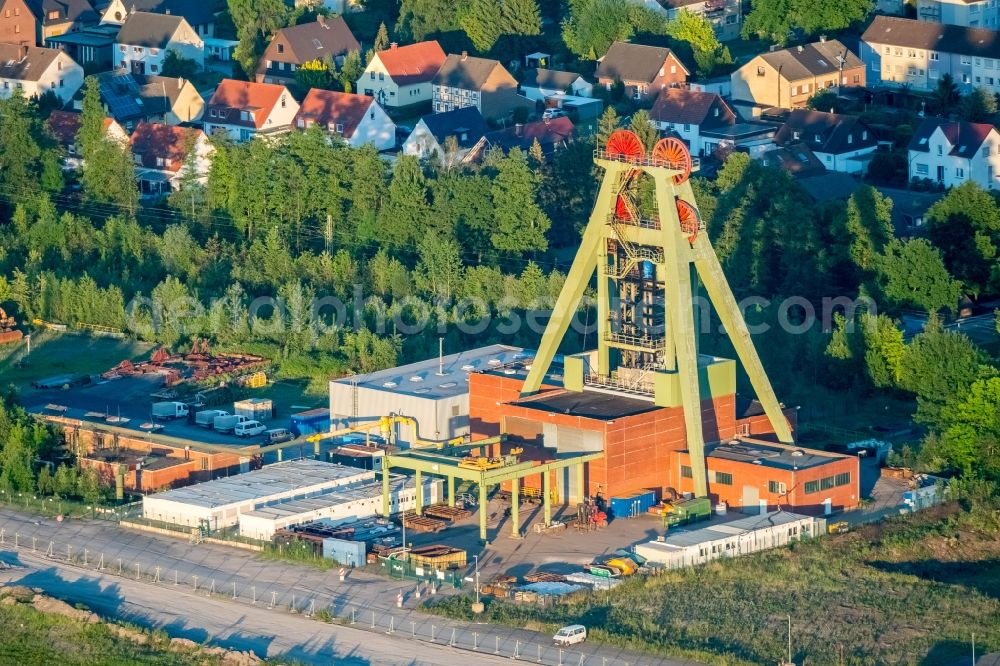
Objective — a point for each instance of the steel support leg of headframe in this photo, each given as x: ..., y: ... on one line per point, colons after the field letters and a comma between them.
x: 547, y: 496
x: 714, y: 281
x: 419, y: 479
x: 515, y: 505
x: 680, y: 319
x: 482, y: 511
x: 385, y: 490
x: 581, y: 491
x: 451, y: 490
x: 576, y: 283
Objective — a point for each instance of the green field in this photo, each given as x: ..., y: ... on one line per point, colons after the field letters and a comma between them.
x: 55, y: 353
x: 910, y: 591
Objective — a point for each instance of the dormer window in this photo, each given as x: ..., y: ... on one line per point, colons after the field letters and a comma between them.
x: 54, y: 14
x: 795, y: 135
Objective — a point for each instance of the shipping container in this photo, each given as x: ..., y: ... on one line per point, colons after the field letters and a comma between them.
x: 310, y: 422
x: 257, y: 409
x: 342, y: 551
x: 438, y: 557
x: 688, y: 511
x: 633, y: 504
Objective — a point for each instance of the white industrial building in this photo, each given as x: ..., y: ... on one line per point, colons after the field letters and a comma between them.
x: 337, y: 507
x: 434, y: 392
x: 688, y: 548
x: 221, y: 502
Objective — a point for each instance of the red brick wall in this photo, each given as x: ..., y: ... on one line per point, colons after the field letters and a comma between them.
x: 636, y: 448
x: 843, y: 497
x: 761, y: 425
x: 17, y: 23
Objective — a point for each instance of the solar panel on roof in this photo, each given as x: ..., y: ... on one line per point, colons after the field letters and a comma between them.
x: 121, y: 93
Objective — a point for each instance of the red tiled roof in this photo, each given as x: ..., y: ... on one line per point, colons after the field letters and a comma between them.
x: 414, y: 63
x: 547, y: 132
x: 233, y: 96
x: 679, y: 105
x: 153, y: 141
x: 324, y: 107
x: 66, y: 124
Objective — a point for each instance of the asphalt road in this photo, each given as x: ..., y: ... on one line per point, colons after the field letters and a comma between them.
x: 161, y: 581
x: 241, y: 627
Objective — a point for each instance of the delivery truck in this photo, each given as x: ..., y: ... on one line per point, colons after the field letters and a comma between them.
x: 169, y: 410
x: 206, y: 417
x: 228, y: 423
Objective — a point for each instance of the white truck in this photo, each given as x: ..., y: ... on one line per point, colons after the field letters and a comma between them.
x: 206, y: 417
x: 228, y: 423
x: 169, y: 410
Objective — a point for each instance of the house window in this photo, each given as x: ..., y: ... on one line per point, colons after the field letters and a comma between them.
x: 922, y: 169
x: 154, y: 51
x: 381, y: 76
x: 887, y: 51
x: 731, y: 19
x: 686, y: 472
x: 966, y: 60
x: 724, y: 478
x: 154, y: 68
x: 986, y: 150
x: 339, y: 129
x: 842, y: 479
x: 811, y: 487
x: 899, y: 53
x: 959, y: 172
x: 795, y: 91
x: 850, y: 139
x: 281, y: 48
x: 911, y: 53
x: 795, y: 135
x: 760, y: 71
x: 373, y: 76
x: 281, y: 65
x: 137, y: 49
x: 857, y: 78
x: 939, y: 150
x: 54, y: 14
x: 61, y: 83
x: 673, y: 69
x: 776, y: 487
x: 160, y: 162
x: 123, y: 48
x: 687, y: 128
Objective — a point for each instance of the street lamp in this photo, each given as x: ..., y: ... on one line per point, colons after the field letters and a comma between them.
x: 478, y: 606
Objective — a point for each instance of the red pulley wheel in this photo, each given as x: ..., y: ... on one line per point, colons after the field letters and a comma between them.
x: 623, y: 144
x: 688, y: 216
x: 673, y: 151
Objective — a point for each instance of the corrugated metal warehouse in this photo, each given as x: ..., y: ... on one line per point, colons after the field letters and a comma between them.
x: 338, y: 506
x: 434, y: 392
x: 687, y: 548
x: 222, y: 501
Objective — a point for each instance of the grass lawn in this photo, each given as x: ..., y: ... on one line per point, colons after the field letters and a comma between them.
x: 909, y: 591
x: 54, y: 353
x: 32, y: 638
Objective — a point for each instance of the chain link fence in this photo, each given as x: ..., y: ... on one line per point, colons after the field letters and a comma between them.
x: 518, y: 645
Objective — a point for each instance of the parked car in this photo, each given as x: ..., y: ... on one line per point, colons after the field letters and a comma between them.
x: 249, y: 428
x: 574, y: 633
x: 549, y: 114
x: 169, y: 410
x: 278, y: 435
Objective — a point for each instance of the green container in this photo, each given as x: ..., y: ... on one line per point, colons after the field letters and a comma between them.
x: 689, y: 511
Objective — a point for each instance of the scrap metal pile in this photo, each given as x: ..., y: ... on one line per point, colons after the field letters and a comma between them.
x: 198, y: 364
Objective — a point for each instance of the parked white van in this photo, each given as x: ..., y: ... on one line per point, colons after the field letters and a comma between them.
x: 249, y: 428
x: 574, y: 633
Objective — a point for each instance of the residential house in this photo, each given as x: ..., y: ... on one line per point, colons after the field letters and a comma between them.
x: 797, y: 159
x: 688, y: 113
x: 839, y: 141
x: 430, y: 135
x: 726, y: 16
x: 966, y: 13
x: 539, y: 84
x: 951, y: 152
x: 402, y: 75
x: 133, y: 99
x: 552, y: 135
x: 294, y: 46
x: 163, y: 157
x: 916, y: 54
x: 65, y: 125
x: 643, y: 70
x: 93, y: 48
x: 357, y: 119
x: 245, y: 110
x: 34, y: 21
x: 146, y: 38
x: 200, y: 14
x: 485, y: 84
x: 35, y: 70
x: 789, y: 77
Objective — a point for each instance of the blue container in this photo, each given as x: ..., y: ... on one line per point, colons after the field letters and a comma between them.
x: 648, y: 270
x: 633, y: 504
x: 310, y: 423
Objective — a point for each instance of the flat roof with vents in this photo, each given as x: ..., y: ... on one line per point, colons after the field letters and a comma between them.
x: 779, y: 456
x: 423, y: 379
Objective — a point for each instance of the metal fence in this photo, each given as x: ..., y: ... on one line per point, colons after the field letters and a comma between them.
x: 404, y: 570
x: 515, y: 644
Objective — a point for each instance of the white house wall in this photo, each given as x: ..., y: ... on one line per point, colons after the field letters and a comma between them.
x: 379, y: 131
